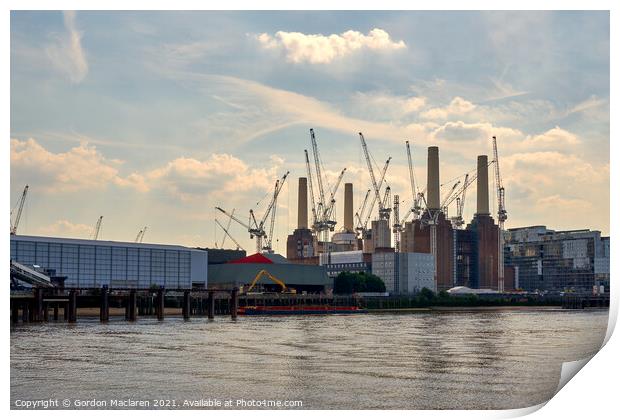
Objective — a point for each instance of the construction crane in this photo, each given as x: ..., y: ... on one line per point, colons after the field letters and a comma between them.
x: 227, y: 233
x: 20, y: 208
x: 140, y: 235
x: 457, y: 220
x: 415, y: 194
x: 397, y: 227
x: 97, y: 228
x: 502, y: 215
x: 364, y: 226
x: 360, y: 212
x: 312, y: 202
x: 323, y: 211
x: 317, y: 168
x: 329, y: 211
x: 384, y: 212
x: 255, y: 228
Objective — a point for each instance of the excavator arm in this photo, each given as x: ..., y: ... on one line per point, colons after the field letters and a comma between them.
x: 271, y: 277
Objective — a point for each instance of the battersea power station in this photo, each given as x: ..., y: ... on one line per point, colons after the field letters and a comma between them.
x: 429, y: 249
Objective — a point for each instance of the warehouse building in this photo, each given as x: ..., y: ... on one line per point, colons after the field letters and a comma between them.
x: 548, y: 260
x: 89, y: 263
x: 242, y: 272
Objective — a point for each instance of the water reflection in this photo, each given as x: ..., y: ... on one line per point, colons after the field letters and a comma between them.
x: 463, y: 359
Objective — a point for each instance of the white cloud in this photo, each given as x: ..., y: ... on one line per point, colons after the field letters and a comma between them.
x: 66, y: 53
x: 81, y: 167
x: 322, y: 49
x: 555, y: 139
x: 84, y: 168
x: 385, y: 106
x: 458, y: 106
x: 455, y: 131
x: 219, y: 175
x: 65, y: 228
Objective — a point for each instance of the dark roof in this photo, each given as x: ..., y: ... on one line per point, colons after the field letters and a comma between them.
x: 291, y: 274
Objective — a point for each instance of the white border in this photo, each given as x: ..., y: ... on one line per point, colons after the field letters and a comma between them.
x: 592, y: 395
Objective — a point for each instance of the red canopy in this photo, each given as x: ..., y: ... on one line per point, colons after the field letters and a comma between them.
x: 252, y: 259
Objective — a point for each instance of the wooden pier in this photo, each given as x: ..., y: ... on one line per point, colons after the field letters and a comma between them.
x: 35, y: 305
x: 575, y: 301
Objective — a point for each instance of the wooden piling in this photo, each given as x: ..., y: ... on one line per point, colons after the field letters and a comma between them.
x: 234, y: 303
x: 186, y: 304
x: 38, y: 305
x: 56, y: 312
x: 211, y: 306
x: 104, y: 307
x: 160, y: 304
x: 72, y: 316
x: 46, y: 314
x: 14, y: 312
x: 25, y: 311
x: 132, y: 305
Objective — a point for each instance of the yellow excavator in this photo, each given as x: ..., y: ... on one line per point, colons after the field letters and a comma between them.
x: 285, y: 288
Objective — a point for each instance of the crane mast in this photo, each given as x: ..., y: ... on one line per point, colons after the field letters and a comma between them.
x: 360, y: 212
x: 97, y: 228
x: 384, y: 212
x: 374, y: 199
x: 314, y: 215
x: 20, y: 208
x: 317, y: 164
x: 502, y: 215
x: 415, y: 195
x: 330, y: 210
x: 397, y: 226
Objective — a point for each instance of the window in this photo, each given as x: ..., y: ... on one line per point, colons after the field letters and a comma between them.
x: 86, y: 272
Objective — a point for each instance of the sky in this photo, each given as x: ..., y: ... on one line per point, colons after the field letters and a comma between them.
x: 154, y: 118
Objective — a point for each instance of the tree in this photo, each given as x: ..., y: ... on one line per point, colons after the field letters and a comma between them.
x: 427, y: 294
x: 348, y: 283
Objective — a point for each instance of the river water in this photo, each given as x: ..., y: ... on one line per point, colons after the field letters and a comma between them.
x: 473, y: 359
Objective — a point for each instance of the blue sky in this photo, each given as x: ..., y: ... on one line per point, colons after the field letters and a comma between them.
x: 154, y: 118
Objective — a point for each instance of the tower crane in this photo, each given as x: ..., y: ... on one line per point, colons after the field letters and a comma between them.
x: 319, y: 178
x: 322, y: 212
x: 384, y: 212
x: 364, y: 226
x: 312, y: 202
x: 360, y: 212
x: 502, y: 215
x: 97, y: 228
x: 457, y: 220
x: 415, y: 194
x: 397, y: 227
x: 140, y: 235
x: 20, y: 208
x: 255, y: 228
x: 329, y: 211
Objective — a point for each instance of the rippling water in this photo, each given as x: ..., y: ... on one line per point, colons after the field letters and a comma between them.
x: 432, y: 360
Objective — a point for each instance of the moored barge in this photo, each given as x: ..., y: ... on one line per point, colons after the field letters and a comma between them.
x: 300, y: 310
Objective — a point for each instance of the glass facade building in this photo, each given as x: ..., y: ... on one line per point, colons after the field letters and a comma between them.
x: 547, y: 260
x: 88, y: 263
